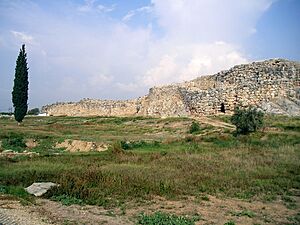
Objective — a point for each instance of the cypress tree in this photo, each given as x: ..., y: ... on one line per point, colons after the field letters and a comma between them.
x: 20, y: 89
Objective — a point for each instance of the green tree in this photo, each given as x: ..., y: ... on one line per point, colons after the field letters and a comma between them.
x: 20, y: 89
x: 34, y: 111
x: 247, y: 120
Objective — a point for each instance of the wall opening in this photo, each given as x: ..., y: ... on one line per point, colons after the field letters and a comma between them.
x: 222, y: 108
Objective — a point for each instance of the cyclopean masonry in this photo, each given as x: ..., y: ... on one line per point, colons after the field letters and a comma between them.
x: 272, y: 85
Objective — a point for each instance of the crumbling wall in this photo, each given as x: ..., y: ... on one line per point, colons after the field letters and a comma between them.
x: 258, y: 83
x: 245, y: 85
x: 90, y: 107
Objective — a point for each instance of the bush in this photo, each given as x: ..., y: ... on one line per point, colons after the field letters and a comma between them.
x: 129, y: 145
x: 195, y: 127
x: 34, y: 111
x: 247, y: 120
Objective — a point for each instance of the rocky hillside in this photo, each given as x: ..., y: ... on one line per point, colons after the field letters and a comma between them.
x: 272, y: 85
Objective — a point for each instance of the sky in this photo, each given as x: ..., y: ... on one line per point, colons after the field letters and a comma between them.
x: 118, y: 49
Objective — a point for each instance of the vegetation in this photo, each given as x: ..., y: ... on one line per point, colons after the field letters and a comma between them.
x: 67, y: 200
x: 230, y: 223
x: 160, y: 218
x: 154, y: 157
x: 195, y: 127
x: 14, y: 142
x: 34, y: 111
x: 247, y: 120
x: 20, y: 89
x: 16, y: 191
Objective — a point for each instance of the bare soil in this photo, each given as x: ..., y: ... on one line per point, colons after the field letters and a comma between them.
x: 212, y: 210
x: 214, y: 122
x: 31, y: 143
x: 81, y: 146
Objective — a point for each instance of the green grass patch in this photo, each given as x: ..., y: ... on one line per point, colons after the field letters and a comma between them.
x: 160, y: 218
x: 246, y: 213
x: 67, y: 200
x: 16, y: 191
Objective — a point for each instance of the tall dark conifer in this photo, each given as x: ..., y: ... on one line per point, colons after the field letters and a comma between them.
x: 20, y: 89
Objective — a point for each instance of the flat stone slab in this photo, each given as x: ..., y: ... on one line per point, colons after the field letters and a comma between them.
x: 38, y: 189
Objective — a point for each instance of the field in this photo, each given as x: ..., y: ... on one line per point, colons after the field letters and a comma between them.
x: 211, y: 176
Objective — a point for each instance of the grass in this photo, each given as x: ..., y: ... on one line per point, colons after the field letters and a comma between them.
x: 246, y: 213
x: 230, y: 223
x: 67, y: 200
x: 160, y: 218
x: 151, y: 157
x: 16, y: 191
x: 294, y: 220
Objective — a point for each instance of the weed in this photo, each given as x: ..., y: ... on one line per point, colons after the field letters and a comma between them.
x: 247, y: 213
x: 289, y: 202
x: 18, y: 192
x: 160, y: 218
x: 295, y: 220
x: 67, y: 200
x: 14, y: 142
x: 229, y: 223
x: 129, y: 145
x: 205, y: 198
x: 194, y: 128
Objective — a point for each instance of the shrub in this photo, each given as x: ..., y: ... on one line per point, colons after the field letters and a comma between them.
x: 195, y: 127
x: 129, y: 145
x: 34, y: 111
x: 247, y: 120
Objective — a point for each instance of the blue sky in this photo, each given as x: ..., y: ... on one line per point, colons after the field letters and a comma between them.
x: 117, y: 49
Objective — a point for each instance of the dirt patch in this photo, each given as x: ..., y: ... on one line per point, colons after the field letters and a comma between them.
x: 31, y: 143
x: 81, y: 146
x: 214, y: 122
x: 12, y: 212
x: 211, y: 209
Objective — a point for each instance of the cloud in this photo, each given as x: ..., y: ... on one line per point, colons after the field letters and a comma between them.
x: 25, y: 38
x: 130, y: 87
x: 106, y: 9
x: 199, y: 59
x: 163, y: 73
x: 212, y: 20
x: 86, y: 55
x: 201, y: 37
x: 132, y: 13
x: 90, y: 5
x: 99, y: 80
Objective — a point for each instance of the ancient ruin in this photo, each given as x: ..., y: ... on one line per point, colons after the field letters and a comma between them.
x: 272, y: 85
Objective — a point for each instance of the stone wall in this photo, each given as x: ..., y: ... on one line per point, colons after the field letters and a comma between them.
x: 245, y: 85
x: 266, y: 85
x: 90, y: 107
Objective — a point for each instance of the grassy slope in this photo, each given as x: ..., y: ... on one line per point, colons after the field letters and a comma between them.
x: 262, y: 165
